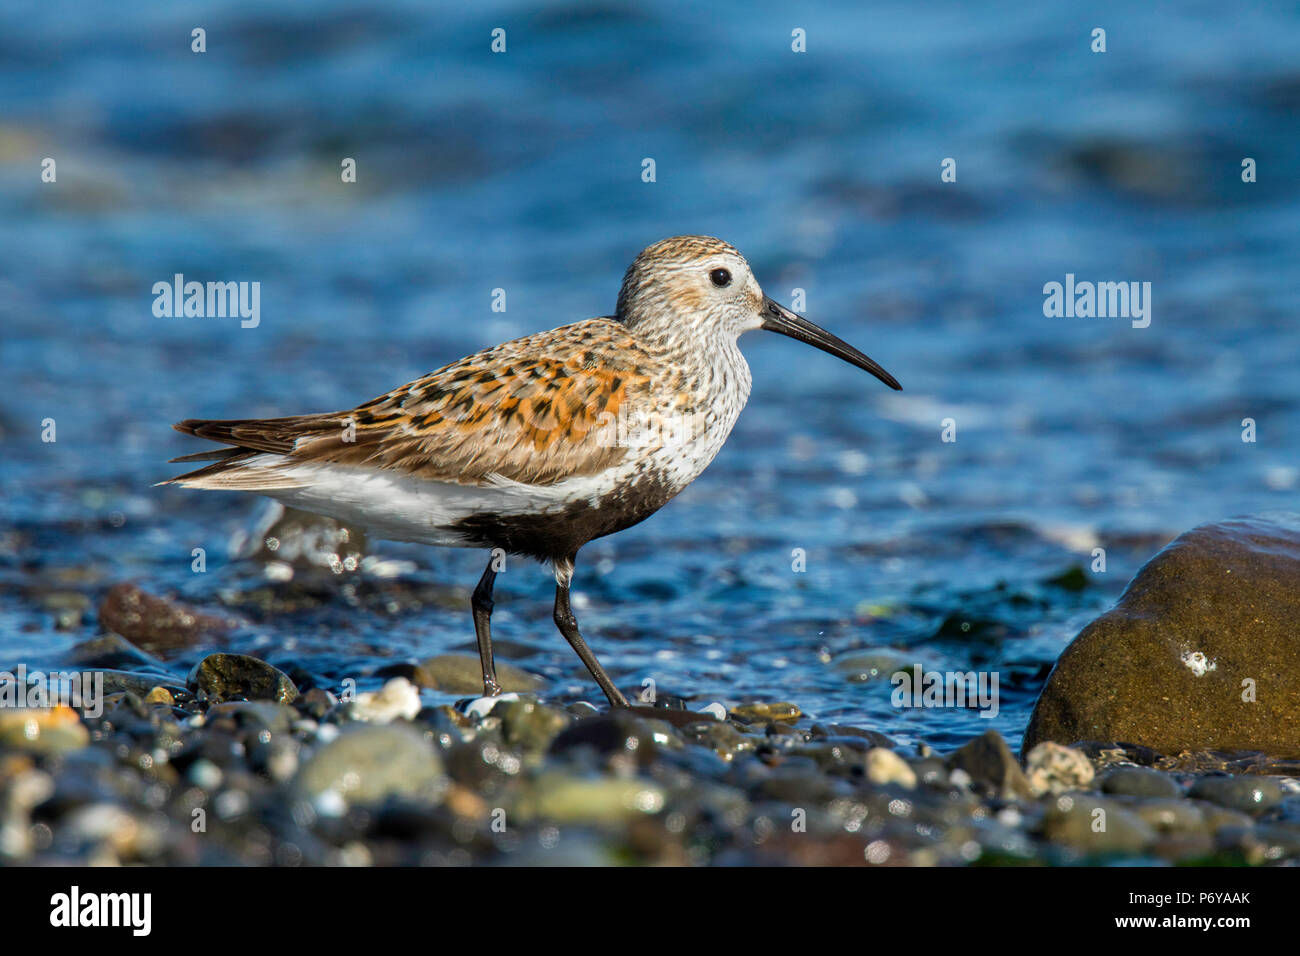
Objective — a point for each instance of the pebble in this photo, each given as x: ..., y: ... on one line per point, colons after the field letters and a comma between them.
x: 1249, y: 794
x: 318, y: 702
x: 879, y: 664
x: 158, y: 625
x: 615, y: 733
x: 886, y: 767
x: 753, y: 713
x: 220, y: 677
x: 1096, y: 826
x: 367, y: 762
x: 567, y: 799
x: 990, y: 765
x: 463, y: 674
x: 1139, y: 782
x: 42, y: 730
x: 159, y: 695
x: 1171, y: 816
x: 398, y: 699
x: 1259, y: 845
x: 308, y: 781
x: 530, y: 725
x: 1053, y: 768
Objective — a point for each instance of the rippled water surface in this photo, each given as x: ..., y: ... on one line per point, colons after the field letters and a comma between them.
x: 522, y: 171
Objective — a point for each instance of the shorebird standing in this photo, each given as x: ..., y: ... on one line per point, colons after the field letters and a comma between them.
x: 539, y: 445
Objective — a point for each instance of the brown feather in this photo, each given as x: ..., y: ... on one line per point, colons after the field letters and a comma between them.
x: 535, y: 410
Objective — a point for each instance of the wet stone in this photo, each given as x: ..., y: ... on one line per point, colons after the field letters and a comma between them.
x: 870, y: 665
x: 1247, y: 794
x: 42, y: 730
x: 1105, y: 755
x: 481, y: 765
x: 720, y: 737
x: 677, y: 716
x: 130, y: 836
x: 1217, y: 817
x: 569, y: 799
x: 1210, y: 614
x: 366, y: 763
x: 141, y: 685
x: 991, y: 766
x: 1170, y: 815
x: 796, y: 782
x: 158, y: 625
x: 1286, y: 811
x: 1139, y: 782
x: 1258, y: 845
x: 159, y: 695
x: 463, y: 674
x: 257, y: 715
x: 220, y: 677
x: 529, y: 725
x: 832, y: 757
x: 111, y: 652
x: 1096, y: 826
x: 777, y: 728
x: 1183, y: 846
x: 761, y: 712
x: 69, y: 608
x: 932, y: 771
x: 317, y: 702
x: 617, y: 732
x: 874, y: 738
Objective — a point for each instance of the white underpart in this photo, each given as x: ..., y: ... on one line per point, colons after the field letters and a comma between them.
x: 403, y: 508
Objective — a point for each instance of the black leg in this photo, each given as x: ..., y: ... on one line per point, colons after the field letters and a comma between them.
x: 481, y: 602
x: 568, y: 626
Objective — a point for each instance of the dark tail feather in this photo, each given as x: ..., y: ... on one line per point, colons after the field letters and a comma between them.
x: 276, y: 435
x: 217, y: 455
x: 251, y: 438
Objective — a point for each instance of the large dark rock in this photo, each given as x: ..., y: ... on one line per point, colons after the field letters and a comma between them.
x: 1202, y: 652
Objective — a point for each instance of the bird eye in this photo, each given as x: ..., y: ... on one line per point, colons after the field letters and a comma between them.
x: 720, y: 277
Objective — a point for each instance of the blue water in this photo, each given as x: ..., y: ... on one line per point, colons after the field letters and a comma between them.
x: 522, y: 171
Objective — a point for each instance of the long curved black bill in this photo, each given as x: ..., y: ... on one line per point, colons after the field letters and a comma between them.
x: 777, y: 318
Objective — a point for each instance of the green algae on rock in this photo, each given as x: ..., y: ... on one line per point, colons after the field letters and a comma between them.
x: 220, y: 677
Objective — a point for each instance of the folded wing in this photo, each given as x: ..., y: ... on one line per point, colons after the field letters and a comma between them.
x: 535, y: 410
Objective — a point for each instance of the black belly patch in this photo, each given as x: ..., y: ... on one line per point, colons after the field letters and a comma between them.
x: 555, y: 535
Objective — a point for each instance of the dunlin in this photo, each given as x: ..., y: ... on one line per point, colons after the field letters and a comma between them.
x: 539, y: 445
